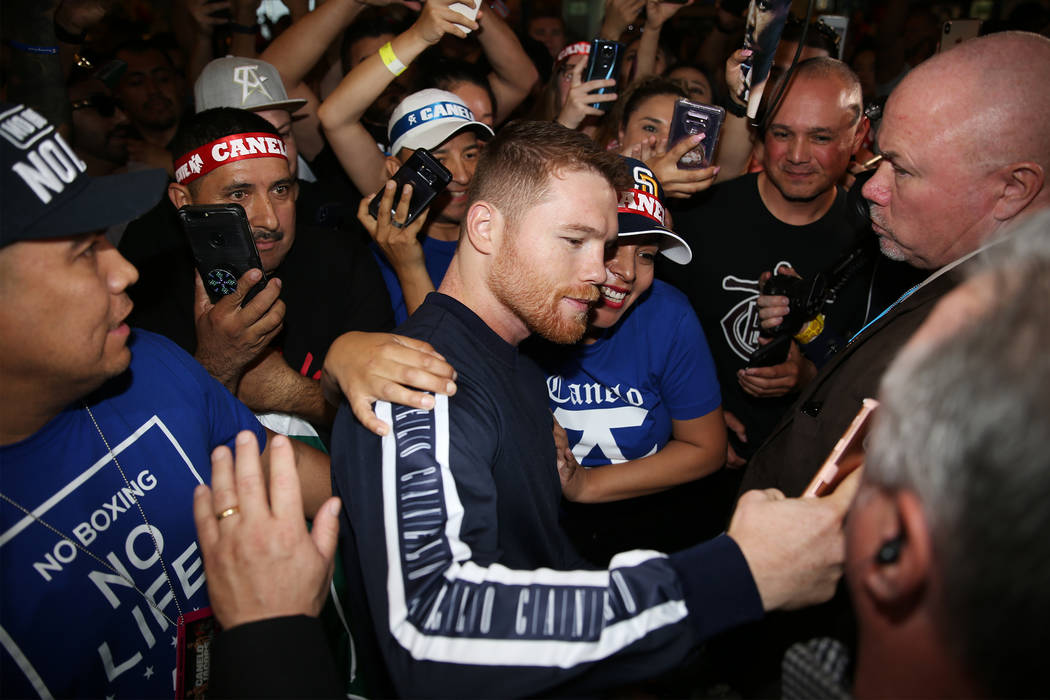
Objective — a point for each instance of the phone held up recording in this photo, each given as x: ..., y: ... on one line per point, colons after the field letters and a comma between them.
x: 603, y: 64
x: 223, y: 247
x: 689, y: 119
x: 428, y: 178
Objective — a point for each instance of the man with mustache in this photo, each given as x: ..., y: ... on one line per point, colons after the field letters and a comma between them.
x: 451, y: 537
x: 268, y: 352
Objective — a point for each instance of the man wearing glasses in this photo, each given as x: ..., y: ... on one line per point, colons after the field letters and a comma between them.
x: 100, y: 126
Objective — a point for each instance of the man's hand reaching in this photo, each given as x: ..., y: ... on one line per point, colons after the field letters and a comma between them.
x: 366, y: 367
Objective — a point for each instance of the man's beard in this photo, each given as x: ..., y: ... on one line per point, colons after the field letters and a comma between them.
x: 887, y: 246
x: 526, y: 292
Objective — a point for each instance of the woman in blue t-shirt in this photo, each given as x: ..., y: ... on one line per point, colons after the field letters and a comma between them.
x: 636, y: 397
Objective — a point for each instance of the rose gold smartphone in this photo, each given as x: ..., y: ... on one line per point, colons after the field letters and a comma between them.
x: 847, y: 455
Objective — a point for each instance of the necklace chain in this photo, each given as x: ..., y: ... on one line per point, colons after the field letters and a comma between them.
x: 100, y: 560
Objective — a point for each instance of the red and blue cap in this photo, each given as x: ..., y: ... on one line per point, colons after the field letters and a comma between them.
x: 641, y: 213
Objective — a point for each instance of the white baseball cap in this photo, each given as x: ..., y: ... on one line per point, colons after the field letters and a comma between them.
x: 427, y: 118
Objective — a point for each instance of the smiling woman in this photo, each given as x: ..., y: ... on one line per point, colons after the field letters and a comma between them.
x: 637, y: 403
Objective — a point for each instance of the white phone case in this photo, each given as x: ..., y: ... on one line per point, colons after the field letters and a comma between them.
x: 465, y: 10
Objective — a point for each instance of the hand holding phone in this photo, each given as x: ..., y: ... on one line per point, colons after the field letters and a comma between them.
x: 603, y: 64
x: 223, y: 247
x: 427, y: 176
x: 847, y: 455
x: 400, y: 244
x: 582, y: 96
x: 231, y: 332
x: 467, y: 10
x: 690, y: 119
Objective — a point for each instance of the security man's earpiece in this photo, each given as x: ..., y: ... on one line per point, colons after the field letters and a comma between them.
x: 890, y: 551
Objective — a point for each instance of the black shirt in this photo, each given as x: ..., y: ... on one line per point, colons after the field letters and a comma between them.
x: 330, y: 285
x: 734, y: 240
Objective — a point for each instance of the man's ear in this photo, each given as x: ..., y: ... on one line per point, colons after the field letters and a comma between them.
x: 1021, y: 183
x: 179, y: 195
x: 863, y: 127
x: 484, y: 227
x: 896, y: 556
x: 392, y: 165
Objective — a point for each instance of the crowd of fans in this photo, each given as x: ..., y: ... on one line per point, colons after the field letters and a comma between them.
x: 553, y: 434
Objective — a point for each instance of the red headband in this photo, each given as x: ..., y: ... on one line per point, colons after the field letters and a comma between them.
x: 580, y: 47
x: 200, y: 162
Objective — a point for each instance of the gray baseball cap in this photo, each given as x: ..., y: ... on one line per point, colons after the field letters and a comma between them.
x: 242, y: 83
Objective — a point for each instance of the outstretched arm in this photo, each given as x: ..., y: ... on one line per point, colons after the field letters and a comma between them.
x: 341, y: 113
x: 297, y: 50
x: 366, y: 367
x: 735, y: 147
x: 619, y: 14
x: 657, y: 13
x: 513, y: 74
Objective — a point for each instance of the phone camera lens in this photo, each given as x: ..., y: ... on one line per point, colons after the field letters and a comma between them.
x: 216, y: 240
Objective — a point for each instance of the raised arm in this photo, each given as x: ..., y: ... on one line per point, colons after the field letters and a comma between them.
x: 341, y: 113
x: 735, y: 147
x: 297, y: 50
x: 619, y: 14
x: 513, y: 74
x: 578, y: 102
x: 195, y: 22
x: 657, y: 13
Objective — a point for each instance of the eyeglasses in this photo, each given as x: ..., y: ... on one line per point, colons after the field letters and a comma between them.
x: 102, y: 103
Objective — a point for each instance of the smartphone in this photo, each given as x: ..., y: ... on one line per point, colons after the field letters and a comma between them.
x: 428, y: 178
x: 839, y: 23
x: 603, y: 64
x: 223, y: 247
x: 694, y: 118
x: 956, y: 31
x: 465, y: 10
x: 847, y: 455
x: 773, y: 353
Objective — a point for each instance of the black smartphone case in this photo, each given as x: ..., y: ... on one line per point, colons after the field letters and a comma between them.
x: 603, y: 64
x: 694, y: 118
x: 223, y: 247
x: 428, y: 178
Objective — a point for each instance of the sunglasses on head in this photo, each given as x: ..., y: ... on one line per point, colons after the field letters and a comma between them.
x: 105, y: 105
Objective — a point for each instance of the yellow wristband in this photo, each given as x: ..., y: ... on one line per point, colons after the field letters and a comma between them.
x: 811, y: 330
x: 392, y: 63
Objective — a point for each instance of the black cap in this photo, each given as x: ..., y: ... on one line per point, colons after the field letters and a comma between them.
x: 46, y: 191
